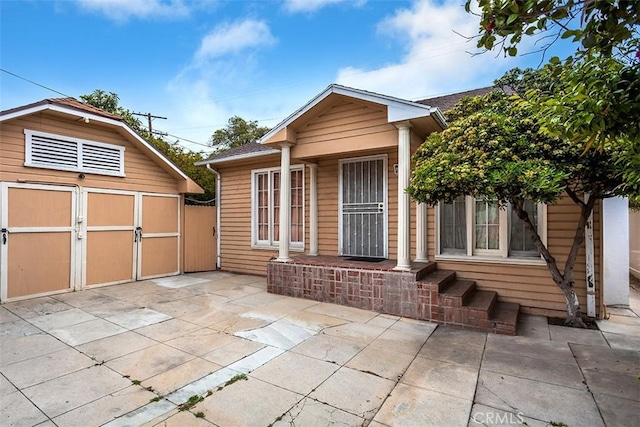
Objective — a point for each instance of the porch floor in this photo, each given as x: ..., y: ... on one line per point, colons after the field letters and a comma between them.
x: 424, y: 292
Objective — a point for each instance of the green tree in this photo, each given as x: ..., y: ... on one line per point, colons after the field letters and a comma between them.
x: 237, y: 132
x: 110, y: 102
x: 608, y: 27
x: 495, y: 148
x: 181, y: 157
x: 596, y: 98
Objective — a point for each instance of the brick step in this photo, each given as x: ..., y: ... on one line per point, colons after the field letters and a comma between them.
x: 480, y: 304
x: 438, y: 278
x: 503, y: 319
x: 424, y: 269
x: 457, y: 293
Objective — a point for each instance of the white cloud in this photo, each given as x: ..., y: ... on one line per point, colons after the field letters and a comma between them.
x: 121, y: 10
x: 234, y: 37
x: 221, y: 80
x: 435, y: 59
x: 302, y: 6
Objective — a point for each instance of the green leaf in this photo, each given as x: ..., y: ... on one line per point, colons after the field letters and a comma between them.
x: 512, y: 51
x: 559, y: 14
x: 512, y: 18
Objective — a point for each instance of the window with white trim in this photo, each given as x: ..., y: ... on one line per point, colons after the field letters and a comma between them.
x: 471, y: 227
x: 266, y: 208
x: 51, y: 151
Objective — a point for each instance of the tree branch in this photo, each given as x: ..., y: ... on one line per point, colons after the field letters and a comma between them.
x: 517, y: 206
x: 575, y: 198
x: 578, y: 238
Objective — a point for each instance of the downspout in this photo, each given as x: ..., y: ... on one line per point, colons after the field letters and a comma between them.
x: 217, y: 214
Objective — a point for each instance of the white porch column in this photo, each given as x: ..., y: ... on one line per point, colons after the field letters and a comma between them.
x: 421, y: 233
x: 404, y: 205
x: 285, y: 203
x: 313, y: 209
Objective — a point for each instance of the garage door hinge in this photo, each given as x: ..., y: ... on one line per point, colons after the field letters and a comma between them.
x: 4, y: 232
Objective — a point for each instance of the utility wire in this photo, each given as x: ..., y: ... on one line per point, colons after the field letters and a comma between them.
x: 37, y: 84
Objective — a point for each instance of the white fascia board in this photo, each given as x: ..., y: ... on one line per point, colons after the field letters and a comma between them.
x: 97, y: 118
x: 237, y: 157
x: 296, y: 114
x: 397, y: 109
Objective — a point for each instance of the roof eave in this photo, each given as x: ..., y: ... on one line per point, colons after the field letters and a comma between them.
x: 100, y: 119
x: 397, y: 109
x: 237, y: 157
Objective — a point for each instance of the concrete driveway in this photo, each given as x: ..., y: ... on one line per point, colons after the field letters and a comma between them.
x: 217, y: 349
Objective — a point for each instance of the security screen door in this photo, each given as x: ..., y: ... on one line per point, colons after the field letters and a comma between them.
x: 363, y: 207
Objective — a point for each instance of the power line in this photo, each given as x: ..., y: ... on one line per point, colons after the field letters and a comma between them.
x: 37, y: 84
x: 150, y: 117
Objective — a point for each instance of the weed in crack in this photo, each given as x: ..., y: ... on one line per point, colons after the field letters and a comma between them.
x: 193, y: 401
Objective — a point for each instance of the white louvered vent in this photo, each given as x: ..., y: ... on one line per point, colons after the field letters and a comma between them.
x: 49, y: 151
x: 101, y: 158
x: 53, y: 152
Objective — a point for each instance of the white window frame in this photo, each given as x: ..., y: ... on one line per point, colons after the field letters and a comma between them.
x: 500, y: 255
x: 29, y: 162
x: 273, y: 241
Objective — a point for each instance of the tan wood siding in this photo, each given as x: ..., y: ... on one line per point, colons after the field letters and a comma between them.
x: 345, y: 127
x: 142, y: 173
x: 235, y: 220
x: 532, y: 286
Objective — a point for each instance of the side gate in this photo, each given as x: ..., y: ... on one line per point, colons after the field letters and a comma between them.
x: 199, y: 238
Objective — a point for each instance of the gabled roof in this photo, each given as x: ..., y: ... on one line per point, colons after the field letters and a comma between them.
x: 245, y: 151
x: 446, y: 102
x: 73, y: 107
x: 67, y: 102
x: 433, y: 105
x: 397, y: 109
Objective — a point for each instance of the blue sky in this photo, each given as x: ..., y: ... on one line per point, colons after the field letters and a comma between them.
x: 199, y: 62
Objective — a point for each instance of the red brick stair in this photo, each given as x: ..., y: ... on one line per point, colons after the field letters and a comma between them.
x: 459, y: 303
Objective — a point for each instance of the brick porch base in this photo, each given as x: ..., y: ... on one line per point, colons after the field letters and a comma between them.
x: 424, y: 293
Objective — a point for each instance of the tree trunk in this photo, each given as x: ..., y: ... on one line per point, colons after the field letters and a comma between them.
x: 574, y: 314
x: 563, y: 279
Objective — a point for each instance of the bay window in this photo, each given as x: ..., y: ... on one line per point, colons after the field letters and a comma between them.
x: 479, y: 228
x: 265, y: 224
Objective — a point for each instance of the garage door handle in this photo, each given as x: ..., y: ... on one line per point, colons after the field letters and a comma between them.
x: 4, y: 236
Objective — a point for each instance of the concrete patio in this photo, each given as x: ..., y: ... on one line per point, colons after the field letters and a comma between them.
x: 217, y: 349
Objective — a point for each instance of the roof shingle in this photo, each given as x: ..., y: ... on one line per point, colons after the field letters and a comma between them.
x: 66, y: 102
x: 446, y: 102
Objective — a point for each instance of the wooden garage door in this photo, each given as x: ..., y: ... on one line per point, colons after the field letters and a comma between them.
x: 38, y: 239
x: 158, y: 251
x: 110, y: 245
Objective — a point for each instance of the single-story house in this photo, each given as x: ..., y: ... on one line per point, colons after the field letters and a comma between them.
x: 84, y: 201
x: 318, y: 205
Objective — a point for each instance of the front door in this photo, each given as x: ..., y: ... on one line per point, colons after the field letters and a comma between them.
x: 363, y: 207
